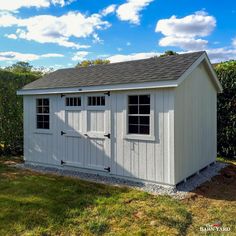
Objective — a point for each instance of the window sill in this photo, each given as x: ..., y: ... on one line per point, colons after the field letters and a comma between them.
x: 139, y: 137
x: 39, y: 131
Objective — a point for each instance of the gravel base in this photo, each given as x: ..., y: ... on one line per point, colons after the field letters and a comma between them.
x: 178, y: 192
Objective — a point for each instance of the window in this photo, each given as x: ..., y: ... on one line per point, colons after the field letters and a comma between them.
x: 73, y: 102
x: 42, y: 111
x: 139, y: 114
x: 96, y: 101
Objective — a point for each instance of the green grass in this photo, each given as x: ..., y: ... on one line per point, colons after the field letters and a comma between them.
x: 36, y: 204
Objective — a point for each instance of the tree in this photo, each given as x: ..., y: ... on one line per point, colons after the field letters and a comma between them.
x: 226, y: 108
x: 20, y: 67
x: 87, y: 63
x: 168, y: 53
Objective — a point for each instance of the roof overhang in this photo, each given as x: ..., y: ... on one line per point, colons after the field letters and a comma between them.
x: 117, y: 87
x: 132, y: 86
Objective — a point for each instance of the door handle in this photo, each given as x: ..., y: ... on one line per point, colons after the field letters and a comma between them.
x: 62, y: 132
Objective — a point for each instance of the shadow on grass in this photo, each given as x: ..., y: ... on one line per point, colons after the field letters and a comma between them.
x: 221, y: 186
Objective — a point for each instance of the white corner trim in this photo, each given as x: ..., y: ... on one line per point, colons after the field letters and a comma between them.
x: 117, y: 87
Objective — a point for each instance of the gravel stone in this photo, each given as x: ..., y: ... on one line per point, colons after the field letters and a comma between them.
x: 178, y: 191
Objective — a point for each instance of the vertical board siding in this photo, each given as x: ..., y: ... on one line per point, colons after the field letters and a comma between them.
x: 145, y: 159
x: 138, y: 159
x: 195, y: 124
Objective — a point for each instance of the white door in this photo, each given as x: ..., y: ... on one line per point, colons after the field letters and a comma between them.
x: 98, y: 142
x: 72, y: 131
x: 86, y: 131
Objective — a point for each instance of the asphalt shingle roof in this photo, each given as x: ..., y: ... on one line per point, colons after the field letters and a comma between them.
x: 147, y: 70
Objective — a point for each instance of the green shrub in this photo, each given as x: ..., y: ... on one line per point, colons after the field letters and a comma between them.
x: 226, y: 107
x: 11, y: 111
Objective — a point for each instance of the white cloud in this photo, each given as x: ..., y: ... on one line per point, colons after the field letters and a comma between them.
x: 58, y: 2
x: 14, y: 5
x: 130, y: 11
x: 16, y: 56
x: 221, y: 54
x: 234, y: 42
x: 80, y: 56
x: 131, y: 57
x: 184, y: 43
x: 11, y: 36
x: 53, y: 29
x: 108, y: 10
x: 183, y: 32
x: 128, y: 44
x: 198, y: 24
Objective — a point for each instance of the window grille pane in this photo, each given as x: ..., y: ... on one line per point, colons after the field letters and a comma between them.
x: 133, y: 109
x: 133, y: 99
x: 46, y: 125
x: 98, y: 101
x: 144, y: 99
x: 133, y: 129
x: 46, y: 102
x: 75, y: 102
x: 45, y: 110
x: 134, y: 120
x: 144, y: 120
x: 144, y: 109
x: 39, y: 125
x: 144, y: 129
x: 39, y: 110
x: 90, y: 101
x: 39, y: 102
x: 103, y: 101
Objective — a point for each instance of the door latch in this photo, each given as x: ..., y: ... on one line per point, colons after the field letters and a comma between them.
x: 62, y: 132
x: 107, y: 135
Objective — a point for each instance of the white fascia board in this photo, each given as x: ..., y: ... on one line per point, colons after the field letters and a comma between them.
x: 212, y: 71
x: 194, y: 65
x: 117, y: 87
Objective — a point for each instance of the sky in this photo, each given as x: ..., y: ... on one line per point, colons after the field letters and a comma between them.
x: 61, y: 33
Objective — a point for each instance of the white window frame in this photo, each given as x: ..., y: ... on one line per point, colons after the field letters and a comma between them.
x: 43, y: 131
x: 74, y: 108
x: 151, y: 135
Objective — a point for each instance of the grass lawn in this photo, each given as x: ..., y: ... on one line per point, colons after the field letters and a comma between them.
x: 36, y: 204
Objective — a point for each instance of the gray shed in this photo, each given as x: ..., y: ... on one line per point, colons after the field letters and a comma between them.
x: 150, y: 120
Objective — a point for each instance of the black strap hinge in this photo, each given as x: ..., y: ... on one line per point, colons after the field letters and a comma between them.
x: 62, y: 132
x: 62, y: 162
x: 108, y: 169
x: 107, y: 93
x: 107, y: 135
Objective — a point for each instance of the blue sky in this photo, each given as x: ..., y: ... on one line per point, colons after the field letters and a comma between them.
x: 59, y: 33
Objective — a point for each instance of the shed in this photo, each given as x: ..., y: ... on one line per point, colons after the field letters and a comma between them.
x: 151, y: 120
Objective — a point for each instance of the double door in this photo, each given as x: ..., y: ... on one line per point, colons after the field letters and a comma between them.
x: 86, y: 131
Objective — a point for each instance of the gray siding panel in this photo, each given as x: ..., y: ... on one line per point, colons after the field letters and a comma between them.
x: 195, y: 124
